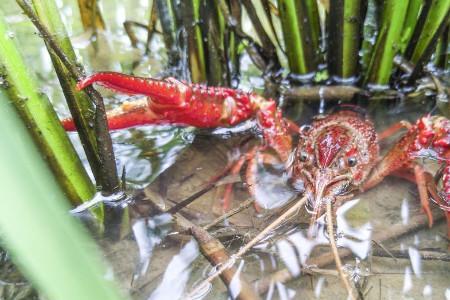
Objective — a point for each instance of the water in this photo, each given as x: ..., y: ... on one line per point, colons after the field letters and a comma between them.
x: 157, y: 259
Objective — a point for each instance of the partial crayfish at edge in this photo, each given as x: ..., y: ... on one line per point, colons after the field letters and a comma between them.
x: 336, y: 156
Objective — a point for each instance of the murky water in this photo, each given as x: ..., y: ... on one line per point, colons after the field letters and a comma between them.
x: 393, y: 253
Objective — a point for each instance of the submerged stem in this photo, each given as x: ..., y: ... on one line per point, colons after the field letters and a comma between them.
x: 337, y: 258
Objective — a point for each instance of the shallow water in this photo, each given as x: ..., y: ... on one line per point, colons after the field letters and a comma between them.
x: 155, y: 259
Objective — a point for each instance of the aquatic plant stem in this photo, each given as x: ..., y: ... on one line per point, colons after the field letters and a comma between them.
x: 107, y: 176
x: 51, y: 248
x: 291, y: 211
x: 337, y: 258
x: 410, y: 22
x: 300, y: 42
x: 387, y: 44
x: 42, y: 122
x: 90, y: 14
x: 432, y: 16
x: 346, y: 21
x: 190, y: 16
x: 80, y: 106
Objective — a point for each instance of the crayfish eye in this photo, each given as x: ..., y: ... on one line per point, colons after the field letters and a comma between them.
x: 352, y: 161
x: 303, y: 156
x: 305, y: 128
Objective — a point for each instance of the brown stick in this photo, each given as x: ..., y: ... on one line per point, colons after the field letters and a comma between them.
x: 334, y: 250
x: 216, y: 254
x: 292, y: 210
x: 230, y: 213
x: 424, y: 255
x: 395, y: 231
x: 338, y: 92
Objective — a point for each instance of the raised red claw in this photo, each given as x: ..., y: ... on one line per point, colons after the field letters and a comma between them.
x: 174, y: 102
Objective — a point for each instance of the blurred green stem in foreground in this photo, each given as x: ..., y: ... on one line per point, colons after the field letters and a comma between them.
x: 49, y: 246
x: 42, y: 122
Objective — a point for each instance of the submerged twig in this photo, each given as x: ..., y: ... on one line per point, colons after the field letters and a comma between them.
x: 340, y: 268
x: 316, y: 93
x: 108, y: 178
x: 424, y: 254
x: 247, y: 203
x: 292, y: 210
x: 215, y: 253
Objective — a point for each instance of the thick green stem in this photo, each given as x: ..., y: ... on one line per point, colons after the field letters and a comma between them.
x: 80, y: 106
x: 345, y: 35
x: 442, y: 55
x: 90, y: 14
x: 169, y: 27
x: 190, y: 10
x: 299, y: 30
x: 433, y: 14
x: 213, y: 31
x: 42, y: 122
x: 107, y: 177
x: 387, y: 44
x: 51, y: 248
x: 412, y: 15
x: 433, y: 19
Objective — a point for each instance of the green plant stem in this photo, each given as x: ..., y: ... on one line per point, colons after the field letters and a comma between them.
x: 345, y: 35
x: 410, y: 22
x: 300, y: 42
x: 433, y: 14
x: 107, y: 177
x: 50, y: 248
x: 433, y: 19
x: 213, y: 31
x: 90, y: 14
x: 168, y: 24
x: 266, y: 35
x: 442, y: 55
x: 190, y: 10
x: 42, y: 122
x: 80, y: 106
x: 387, y: 44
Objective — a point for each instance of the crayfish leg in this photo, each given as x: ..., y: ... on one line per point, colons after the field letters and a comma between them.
x: 421, y: 180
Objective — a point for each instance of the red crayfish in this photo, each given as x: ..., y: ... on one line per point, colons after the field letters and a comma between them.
x: 336, y: 155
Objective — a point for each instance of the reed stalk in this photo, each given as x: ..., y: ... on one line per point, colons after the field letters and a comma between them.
x: 80, y: 106
x: 51, y: 248
x: 213, y: 30
x: 42, y: 122
x: 387, y: 44
x: 169, y: 27
x: 190, y: 16
x: 106, y: 173
x: 442, y: 55
x: 90, y: 14
x: 433, y: 19
x: 300, y: 25
x: 259, y: 14
x: 345, y: 34
x: 433, y: 15
x: 412, y: 15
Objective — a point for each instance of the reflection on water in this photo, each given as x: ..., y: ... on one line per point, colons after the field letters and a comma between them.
x: 147, y: 151
x: 148, y: 233
x: 177, y: 274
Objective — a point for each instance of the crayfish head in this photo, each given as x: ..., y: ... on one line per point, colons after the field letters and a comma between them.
x: 333, y: 157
